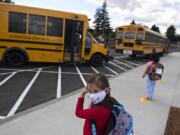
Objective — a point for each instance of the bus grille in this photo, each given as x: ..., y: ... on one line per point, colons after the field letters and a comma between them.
x: 128, y: 44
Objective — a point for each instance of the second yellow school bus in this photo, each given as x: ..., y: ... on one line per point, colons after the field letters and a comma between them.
x: 29, y: 34
x: 139, y: 40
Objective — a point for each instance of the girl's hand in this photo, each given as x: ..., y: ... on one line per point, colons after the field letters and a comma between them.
x: 84, y: 91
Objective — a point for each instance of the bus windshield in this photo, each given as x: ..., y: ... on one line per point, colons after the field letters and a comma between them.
x: 120, y: 35
x: 139, y: 36
x: 129, y: 35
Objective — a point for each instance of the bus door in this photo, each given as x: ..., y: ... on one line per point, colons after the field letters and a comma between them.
x: 73, y: 41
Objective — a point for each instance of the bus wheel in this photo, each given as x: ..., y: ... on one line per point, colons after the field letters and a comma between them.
x: 132, y: 56
x: 97, y: 60
x: 15, y: 59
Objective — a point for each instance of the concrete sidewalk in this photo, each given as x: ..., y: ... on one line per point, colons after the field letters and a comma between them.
x: 150, y: 118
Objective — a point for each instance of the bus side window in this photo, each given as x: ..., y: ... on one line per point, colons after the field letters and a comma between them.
x: 37, y: 24
x: 17, y: 22
x: 55, y: 27
x: 88, y: 43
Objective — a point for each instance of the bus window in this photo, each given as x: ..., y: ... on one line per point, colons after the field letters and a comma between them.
x: 55, y: 27
x: 129, y: 35
x: 17, y: 22
x: 120, y: 35
x: 37, y: 24
x: 88, y: 43
x: 139, y: 36
x: 119, y: 38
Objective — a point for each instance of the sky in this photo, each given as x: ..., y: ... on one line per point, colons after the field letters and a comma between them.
x: 163, y: 13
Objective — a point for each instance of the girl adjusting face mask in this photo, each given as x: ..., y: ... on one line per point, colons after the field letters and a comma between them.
x: 97, y: 97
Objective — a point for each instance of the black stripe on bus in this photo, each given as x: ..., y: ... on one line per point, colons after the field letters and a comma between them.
x: 33, y: 42
x: 3, y: 47
x: 39, y: 49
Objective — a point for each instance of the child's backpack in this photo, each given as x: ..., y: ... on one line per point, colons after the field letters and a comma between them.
x: 156, y: 71
x: 120, y: 122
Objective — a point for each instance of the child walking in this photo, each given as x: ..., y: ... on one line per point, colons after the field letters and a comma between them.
x: 150, y: 82
x: 98, y: 89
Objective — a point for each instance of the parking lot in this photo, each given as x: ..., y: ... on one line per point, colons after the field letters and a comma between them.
x: 34, y: 84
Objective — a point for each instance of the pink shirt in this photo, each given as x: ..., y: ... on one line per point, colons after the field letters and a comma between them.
x: 149, y: 65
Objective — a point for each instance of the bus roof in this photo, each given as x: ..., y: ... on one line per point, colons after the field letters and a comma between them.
x: 42, y: 11
x: 143, y: 27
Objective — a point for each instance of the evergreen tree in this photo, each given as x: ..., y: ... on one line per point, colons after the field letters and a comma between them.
x: 105, y: 21
x: 133, y: 22
x: 97, y: 22
x: 155, y: 28
x: 102, y: 22
x: 178, y: 38
x: 171, y: 34
x: 7, y: 1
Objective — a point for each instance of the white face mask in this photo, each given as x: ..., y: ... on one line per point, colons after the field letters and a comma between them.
x: 97, y: 97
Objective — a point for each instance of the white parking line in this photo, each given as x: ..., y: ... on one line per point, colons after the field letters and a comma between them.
x: 138, y: 62
x: 23, y: 95
x: 81, y: 76
x: 94, y: 69
x: 10, y: 69
x: 69, y: 73
x: 2, y: 117
x: 123, y: 63
x: 130, y: 62
x: 7, y: 73
x: 59, y: 83
x: 118, y: 66
x: 111, y: 70
x: 51, y: 72
x: 24, y: 70
x: 7, y: 78
x: 122, y: 56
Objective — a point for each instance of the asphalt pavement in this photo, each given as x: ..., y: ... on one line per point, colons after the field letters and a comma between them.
x: 57, y: 116
x: 34, y: 84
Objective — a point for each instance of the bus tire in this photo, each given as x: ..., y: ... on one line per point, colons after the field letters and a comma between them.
x: 97, y: 60
x: 15, y: 59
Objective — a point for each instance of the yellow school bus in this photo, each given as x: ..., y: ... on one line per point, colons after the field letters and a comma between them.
x: 139, y: 40
x: 29, y: 34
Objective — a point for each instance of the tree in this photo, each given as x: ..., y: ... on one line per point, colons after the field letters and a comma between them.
x: 133, y: 22
x: 102, y: 22
x: 171, y: 33
x: 155, y: 28
x: 178, y: 38
x: 7, y: 1
x: 97, y: 22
